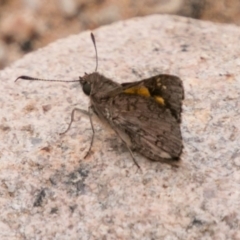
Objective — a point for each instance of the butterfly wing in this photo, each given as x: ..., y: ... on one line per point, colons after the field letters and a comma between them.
x: 166, y: 89
x: 149, y: 112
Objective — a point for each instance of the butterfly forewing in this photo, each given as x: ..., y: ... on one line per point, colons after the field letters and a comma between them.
x: 167, y: 89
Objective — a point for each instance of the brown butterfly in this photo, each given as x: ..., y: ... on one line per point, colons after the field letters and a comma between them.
x: 146, y: 114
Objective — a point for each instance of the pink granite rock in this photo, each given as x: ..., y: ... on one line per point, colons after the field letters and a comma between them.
x: 48, y: 191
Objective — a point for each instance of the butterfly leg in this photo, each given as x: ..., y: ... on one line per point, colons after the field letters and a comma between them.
x: 88, y: 113
x: 72, y: 118
x: 133, y: 158
x: 129, y: 149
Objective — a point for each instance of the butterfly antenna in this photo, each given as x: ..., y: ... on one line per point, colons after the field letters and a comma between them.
x: 94, y: 43
x: 40, y: 79
x: 23, y: 77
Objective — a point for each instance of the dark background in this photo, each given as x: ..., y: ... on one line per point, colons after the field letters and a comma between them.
x: 26, y: 25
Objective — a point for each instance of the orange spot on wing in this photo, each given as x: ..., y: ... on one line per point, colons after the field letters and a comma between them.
x: 142, y: 91
x: 159, y: 100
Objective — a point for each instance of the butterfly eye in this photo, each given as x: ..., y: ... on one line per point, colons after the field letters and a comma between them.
x: 86, y: 87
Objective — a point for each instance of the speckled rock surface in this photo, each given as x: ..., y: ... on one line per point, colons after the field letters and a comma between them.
x: 48, y: 191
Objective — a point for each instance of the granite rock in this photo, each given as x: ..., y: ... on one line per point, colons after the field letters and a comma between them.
x: 48, y: 191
